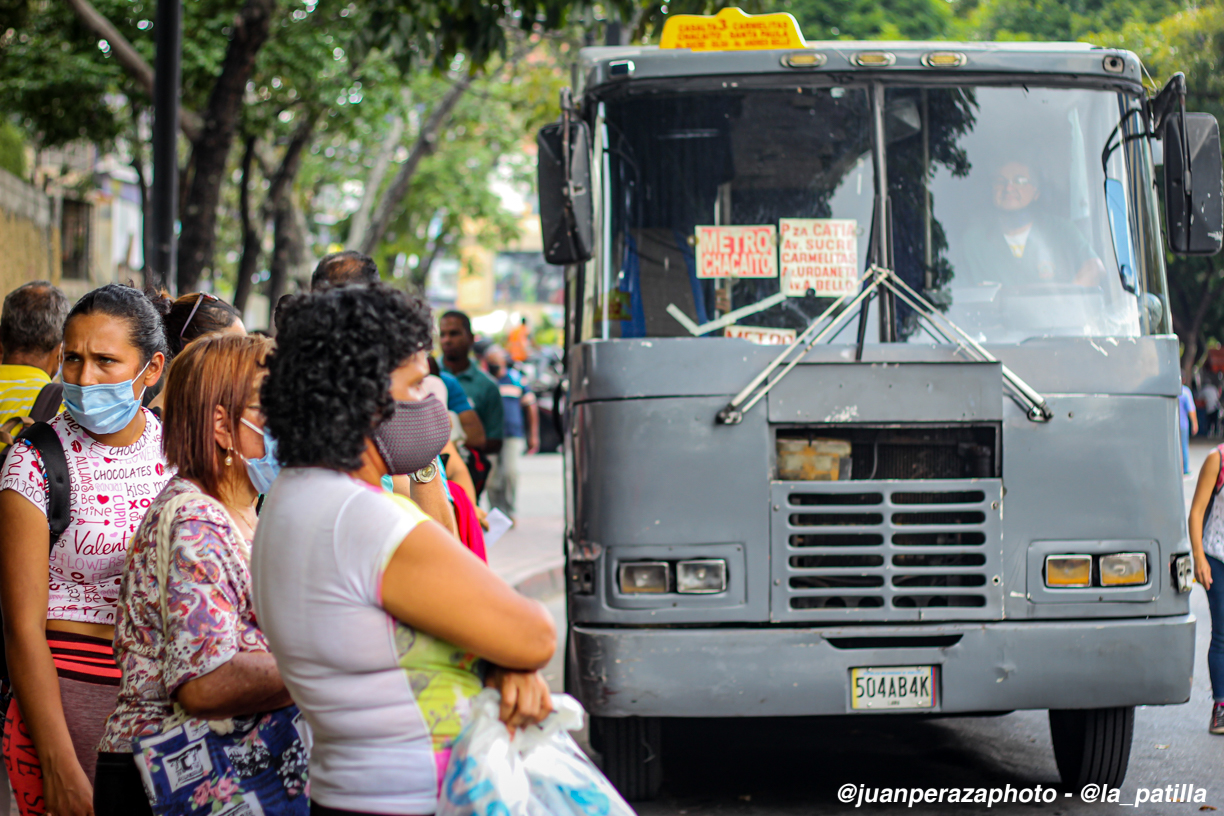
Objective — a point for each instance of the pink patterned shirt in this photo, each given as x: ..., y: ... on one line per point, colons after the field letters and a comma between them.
x: 110, y: 491
x: 211, y: 618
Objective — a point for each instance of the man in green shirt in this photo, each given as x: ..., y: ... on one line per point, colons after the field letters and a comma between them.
x: 455, y: 337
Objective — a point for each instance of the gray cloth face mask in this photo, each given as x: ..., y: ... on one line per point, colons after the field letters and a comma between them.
x: 413, y: 436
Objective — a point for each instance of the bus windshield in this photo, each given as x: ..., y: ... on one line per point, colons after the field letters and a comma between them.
x: 1020, y: 212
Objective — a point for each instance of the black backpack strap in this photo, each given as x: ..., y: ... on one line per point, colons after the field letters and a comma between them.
x: 47, y: 405
x: 44, y: 440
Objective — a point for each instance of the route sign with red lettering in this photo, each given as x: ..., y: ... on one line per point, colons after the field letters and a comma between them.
x: 819, y: 255
x: 761, y: 336
x: 737, y: 252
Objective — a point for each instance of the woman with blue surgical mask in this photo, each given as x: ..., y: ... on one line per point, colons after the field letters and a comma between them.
x: 207, y: 655
x: 60, y: 597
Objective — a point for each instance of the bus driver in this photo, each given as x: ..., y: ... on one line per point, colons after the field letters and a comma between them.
x: 1022, y: 243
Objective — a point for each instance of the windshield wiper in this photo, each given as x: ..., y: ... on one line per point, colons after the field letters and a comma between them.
x: 733, y: 413
x: 1034, y: 405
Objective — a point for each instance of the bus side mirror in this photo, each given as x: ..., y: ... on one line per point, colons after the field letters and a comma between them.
x: 1194, y: 184
x: 566, y: 221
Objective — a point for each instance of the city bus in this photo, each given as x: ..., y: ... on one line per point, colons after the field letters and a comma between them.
x: 871, y: 382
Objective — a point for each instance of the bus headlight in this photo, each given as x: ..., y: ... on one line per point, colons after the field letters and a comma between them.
x: 701, y: 576
x: 645, y: 577
x: 1124, y: 569
x: 1068, y: 571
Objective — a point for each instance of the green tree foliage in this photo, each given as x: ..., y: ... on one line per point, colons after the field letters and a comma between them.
x: 12, y: 150
x: 54, y: 80
x: 1053, y: 19
x: 1190, y: 41
x: 870, y: 20
x: 453, y: 197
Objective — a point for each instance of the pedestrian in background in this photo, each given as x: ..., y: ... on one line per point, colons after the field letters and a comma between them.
x: 458, y: 404
x: 518, y: 343
x: 209, y: 655
x: 1210, y: 392
x: 1207, y: 547
x: 342, y: 269
x: 522, y: 430
x: 377, y: 616
x: 199, y: 314
x: 455, y: 338
x: 196, y: 315
x: 60, y: 597
x: 1187, y: 423
x: 32, y: 336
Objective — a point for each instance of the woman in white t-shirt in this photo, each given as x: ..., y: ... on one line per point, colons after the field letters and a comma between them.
x: 59, y: 611
x: 382, y: 624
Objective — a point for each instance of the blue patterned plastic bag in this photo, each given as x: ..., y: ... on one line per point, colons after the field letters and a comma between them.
x: 259, y: 770
x: 541, y: 771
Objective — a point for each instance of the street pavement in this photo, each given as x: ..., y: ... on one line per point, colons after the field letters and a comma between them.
x: 768, y: 767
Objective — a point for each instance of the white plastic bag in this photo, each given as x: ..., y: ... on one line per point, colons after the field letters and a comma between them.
x: 541, y: 771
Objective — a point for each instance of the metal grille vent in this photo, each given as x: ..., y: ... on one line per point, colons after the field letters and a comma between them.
x: 887, y: 551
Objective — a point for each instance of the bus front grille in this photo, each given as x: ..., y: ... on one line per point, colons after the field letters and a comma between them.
x: 887, y: 551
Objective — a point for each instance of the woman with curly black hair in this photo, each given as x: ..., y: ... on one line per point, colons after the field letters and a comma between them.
x: 381, y: 622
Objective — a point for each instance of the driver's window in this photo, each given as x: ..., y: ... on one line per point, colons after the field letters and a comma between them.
x: 1029, y: 229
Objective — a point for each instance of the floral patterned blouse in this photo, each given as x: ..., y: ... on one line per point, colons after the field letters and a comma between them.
x: 211, y: 617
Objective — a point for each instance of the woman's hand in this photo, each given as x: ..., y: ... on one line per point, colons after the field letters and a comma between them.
x: 66, y: 788
x: 524, y: 696
x: 1202, y: 570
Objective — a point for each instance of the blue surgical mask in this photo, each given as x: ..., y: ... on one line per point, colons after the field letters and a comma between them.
x: 104, y: 408
x: 264, y: 470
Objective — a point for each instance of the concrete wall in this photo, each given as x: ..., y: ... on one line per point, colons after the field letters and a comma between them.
x: 29, y: 234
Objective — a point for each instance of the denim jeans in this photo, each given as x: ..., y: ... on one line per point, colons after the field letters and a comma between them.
x: 1215, y: 651
x: 1185, y: 440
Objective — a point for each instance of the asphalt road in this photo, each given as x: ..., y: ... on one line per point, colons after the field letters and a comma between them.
x: 796, y: 766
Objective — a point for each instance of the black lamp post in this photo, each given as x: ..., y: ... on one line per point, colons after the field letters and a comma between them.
x: 166, y: 80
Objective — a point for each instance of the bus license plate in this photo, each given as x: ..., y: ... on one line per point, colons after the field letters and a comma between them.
x: 892, y: 687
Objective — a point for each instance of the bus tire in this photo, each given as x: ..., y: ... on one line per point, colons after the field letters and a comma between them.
x: 1092, y: 745
x: 632, y: 754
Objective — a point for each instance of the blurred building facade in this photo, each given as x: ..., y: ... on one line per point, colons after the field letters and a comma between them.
x: 77, y: 222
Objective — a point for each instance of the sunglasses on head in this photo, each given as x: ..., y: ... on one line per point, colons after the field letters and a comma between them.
x: 195, y: 309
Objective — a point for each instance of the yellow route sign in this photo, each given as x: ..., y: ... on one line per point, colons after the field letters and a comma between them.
x: 731, y: 30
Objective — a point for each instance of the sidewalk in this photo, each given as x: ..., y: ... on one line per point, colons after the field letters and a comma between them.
x: 531, y: 556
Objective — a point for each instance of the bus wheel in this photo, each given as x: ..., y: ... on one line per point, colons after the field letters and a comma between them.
x: 1092, y: 745
x: 632, y: 749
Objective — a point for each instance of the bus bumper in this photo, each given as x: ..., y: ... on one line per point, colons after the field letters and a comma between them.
x: 771, y: 672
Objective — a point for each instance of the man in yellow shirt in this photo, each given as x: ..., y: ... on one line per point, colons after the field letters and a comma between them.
x: 32, y: 336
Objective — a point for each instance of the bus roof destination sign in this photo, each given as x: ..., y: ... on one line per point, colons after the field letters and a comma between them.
x: 731, y: 30
x: 737, y: 252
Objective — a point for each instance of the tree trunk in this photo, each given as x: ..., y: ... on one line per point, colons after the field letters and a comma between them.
x: 419, y: 278
x: 199, y: 217
x: 425, y: 143
x: 1189, y: 332
x: 288, y: 243
x: 252, y: 236
x: 361, y: 219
